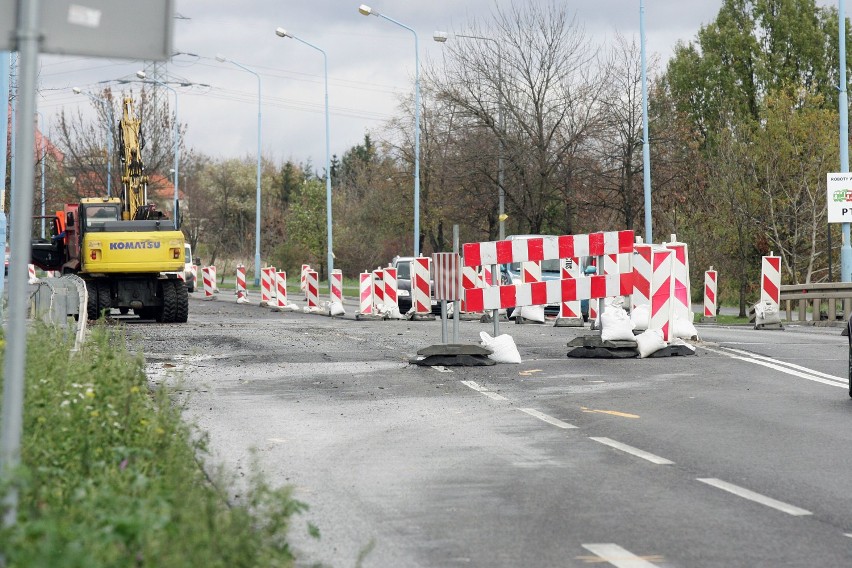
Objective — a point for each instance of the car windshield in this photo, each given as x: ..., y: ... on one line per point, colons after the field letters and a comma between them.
x: 550, y: 265
x: 403, y: 270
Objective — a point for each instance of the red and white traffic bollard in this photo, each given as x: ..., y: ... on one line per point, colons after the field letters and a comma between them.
x: 267, y: 286
x: 209, y: 277
x: 661, y: 292
x: 281, y: 289
x: 390, y: 285
x: 570, y: 311
x: 710, y: 295
x: 312, y: 288
x: 336, y: 290
x: 421, y: 288
x: 242, y: 293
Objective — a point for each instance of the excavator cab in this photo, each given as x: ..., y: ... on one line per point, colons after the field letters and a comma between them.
x: 49, y: 253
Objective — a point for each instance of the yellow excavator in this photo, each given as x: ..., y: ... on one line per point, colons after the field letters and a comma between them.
x: 126, y: 250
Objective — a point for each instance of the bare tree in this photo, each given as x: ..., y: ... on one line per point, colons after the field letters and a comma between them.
x: 541, y: 76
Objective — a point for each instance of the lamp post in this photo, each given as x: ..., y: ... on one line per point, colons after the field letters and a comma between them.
x: 141, y: 75
x: 108, y: 105
x: 41, y: 143
x: 646, y: 148
x: 845, y: 247
x: 441, y: 37
x: 281, y: 32
x: 367, y: 11
x: 222, y: 59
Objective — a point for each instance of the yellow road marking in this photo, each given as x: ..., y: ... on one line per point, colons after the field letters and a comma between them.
x: 529, y: 372
x: 611, y: 412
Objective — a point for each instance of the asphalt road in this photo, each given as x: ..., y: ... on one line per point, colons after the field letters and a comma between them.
x: 739, y: 456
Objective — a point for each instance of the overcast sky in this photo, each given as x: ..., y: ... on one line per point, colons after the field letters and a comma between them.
x: 371, y: 63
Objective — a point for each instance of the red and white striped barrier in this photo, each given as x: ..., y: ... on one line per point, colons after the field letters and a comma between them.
x: 303, y: 278
x: 208, y: 276
x: 213, y: 278
x: 312, y: 288
x: 181, y: 276
x: 682, y: 292
x: 32, y: 273
x: 661, y: 292
x: 642, y: 272
x: 379, y: 288
x: 336, y: 291
x: 770, y: 280
x: 710, y: 290
x: 194, y: 270
x: 242, y: 293
x: 389, y: 276
x: 546, y: 248
x: 571, y: 309
x: 365, y: 304
x: 421, y: 285
x: 267, y: 286
x: 281, y: 289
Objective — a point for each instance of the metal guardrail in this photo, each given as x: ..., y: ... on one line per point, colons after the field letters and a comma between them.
x: 829, y: 295
x: 59, y: 301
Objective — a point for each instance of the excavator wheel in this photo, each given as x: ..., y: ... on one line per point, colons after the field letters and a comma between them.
x: 104, y: 299
x: 166, y: 314
x: 181, y: 302
x: 92, y: 305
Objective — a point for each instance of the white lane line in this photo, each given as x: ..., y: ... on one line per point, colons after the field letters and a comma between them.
x: 791, y: 365
x: 547, y: 418
x: 633, y: 451
x: 480, y: 389
x: 848, y: 534
x: 780, y: 366
x: 617, y: 556
x: 756, y: 497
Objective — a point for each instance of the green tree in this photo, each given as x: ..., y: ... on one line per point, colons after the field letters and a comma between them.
x: 306, y: 223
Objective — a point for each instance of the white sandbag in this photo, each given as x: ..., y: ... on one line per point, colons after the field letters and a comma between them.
x: 683, y: 329
x: 503, y: 348
x: 532, y: 313
x: 336, y: 309
x: 617, y: 325
x: 641, y: 317
x: 649, y: 342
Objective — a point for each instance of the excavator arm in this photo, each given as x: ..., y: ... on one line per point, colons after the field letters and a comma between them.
x: 134, y: 181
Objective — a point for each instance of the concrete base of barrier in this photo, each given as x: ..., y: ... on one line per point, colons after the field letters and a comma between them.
x: 486, y: 318
x: 707, y: 319
x: 453, y: 355
x: 523, y: 321
x: 469, y: 316
x: 593, y: 347
x: 568, y: 322
x: 369, y: 317
x: 422, y: 317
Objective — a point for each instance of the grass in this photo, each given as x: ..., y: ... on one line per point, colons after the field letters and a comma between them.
x: 110, y: 473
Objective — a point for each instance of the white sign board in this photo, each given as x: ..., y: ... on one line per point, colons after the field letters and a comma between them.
x: 129, y: 29
x: 839, y: 197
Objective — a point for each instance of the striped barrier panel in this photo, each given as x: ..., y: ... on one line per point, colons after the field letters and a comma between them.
x: 242, y: 293
x: 365, y: 288
x: 303, y: 278
x: 447, y: 270
x: 421, y: 285
x: 710, y: 296
x: 378, y: 288
x: 209, y: 282
x: 390, y: 288
x: 682, y: 293
x: 547, y: 248
x: 335, y: 292
x: 312, y: 288
x: 570, y: 309
x: 267, y: 286
x: 661, y: 291
x: 770, y: 280
x: 641, y: 276
x: 32, y: 273
x: 281, y: 289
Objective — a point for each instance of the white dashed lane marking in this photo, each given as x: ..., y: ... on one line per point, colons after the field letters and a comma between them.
x: 632, y: 451
x: 756, y: 497
x: 617, y: 556
x: 547, y: 418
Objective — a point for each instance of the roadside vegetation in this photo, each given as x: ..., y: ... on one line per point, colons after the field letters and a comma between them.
x: 111, y: 476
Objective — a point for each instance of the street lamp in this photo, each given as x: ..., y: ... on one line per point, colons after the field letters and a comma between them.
x: 843, y: 100
x: 367, y: 11
x: 281, y: 32
x: 646, y: 149
x: 222, y: 59
x: 141, y: 75
x: 108, y: 105
x: 441, y: 37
